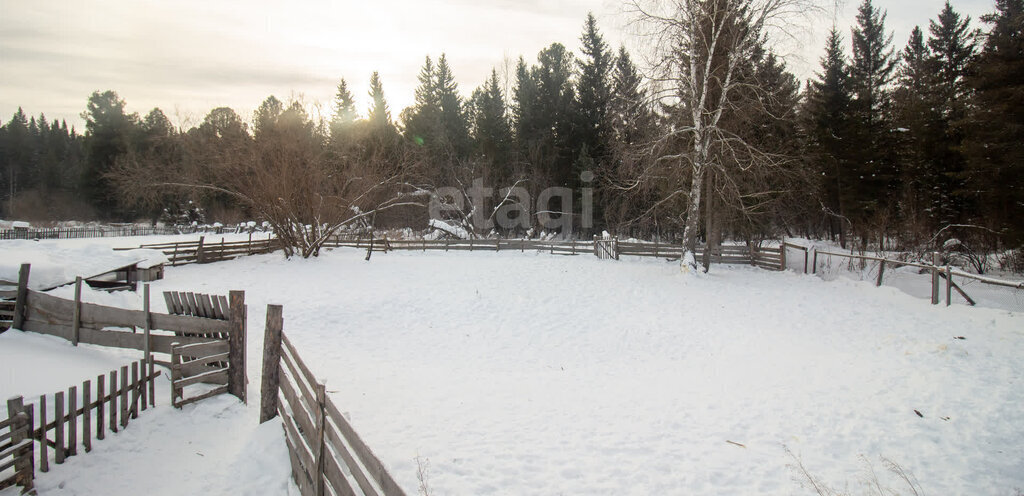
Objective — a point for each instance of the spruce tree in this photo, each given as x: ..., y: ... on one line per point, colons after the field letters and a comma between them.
x: 379, y: 114
x: 492, y: 136
x: 996, y: 123
x: 345, y: 114
x: 827, y: 122
x: 871, y: 72
x: 593, y: 94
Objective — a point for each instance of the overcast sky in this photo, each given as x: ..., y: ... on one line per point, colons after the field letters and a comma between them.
x: 189, y: 56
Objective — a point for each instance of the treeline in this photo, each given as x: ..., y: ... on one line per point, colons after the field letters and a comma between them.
x: 881, y: 146
x: 924, y: 144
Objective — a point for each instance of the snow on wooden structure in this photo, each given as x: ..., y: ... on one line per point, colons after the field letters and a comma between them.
x: 327, y: 456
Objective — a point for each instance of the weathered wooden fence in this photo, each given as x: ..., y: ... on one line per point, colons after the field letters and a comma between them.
x: 16, y: 448
x: 522, y: 245
x: 80, y: 322
x: 85, y: 232
x: 327, y: 456
x: 942, y: 277
x: 203, y: 251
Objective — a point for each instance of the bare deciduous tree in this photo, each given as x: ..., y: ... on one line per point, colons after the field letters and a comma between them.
x: 286, y: 176
x: 703, y: 50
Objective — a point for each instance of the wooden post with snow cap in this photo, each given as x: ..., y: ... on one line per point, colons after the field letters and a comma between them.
x: 19, y: 304
x: 271, y: 381
x: 936, y: 260
x: 236, y: 342
x: 782, y: 255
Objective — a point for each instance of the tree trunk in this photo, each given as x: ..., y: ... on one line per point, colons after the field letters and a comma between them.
x: 692, y: 215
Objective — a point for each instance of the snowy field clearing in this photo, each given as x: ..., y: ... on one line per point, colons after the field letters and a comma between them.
x: 537, y: 374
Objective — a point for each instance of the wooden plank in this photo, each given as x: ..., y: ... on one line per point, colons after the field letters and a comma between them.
x: 204, y: 349
x: 98, y: 317
x: 336, y: 476
x: 22, y: 299
x: 216, y: 376
x: 302, y: 411
x: 305, y: 390
x: 191, y: 307
x: 219, y: 312
x: 299, y: 473
x: 58, y: 413
x: 293, y: 434
x: 50, y: 306
x: 237, y: 324
x: 100, y: 401
x: 113, y: 401
x: 134, y: 405
x: 124, y: 396
x: 206, y: 306
x: 370, y: 461
x: 169, y: 302
x: 201, y: 365
x: 185, y: 323
x: 87, y: 415
x: 309, y: 377
x: 271, y: 361
x: 335, y: 441
x: 209, y: 394
x: 73, y: 422
x: 44, y: 455
x: 39, y: 327
x: 179, y: 307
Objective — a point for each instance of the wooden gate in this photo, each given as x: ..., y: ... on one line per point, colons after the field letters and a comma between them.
x: 606, y: 249
x: 202, y: 363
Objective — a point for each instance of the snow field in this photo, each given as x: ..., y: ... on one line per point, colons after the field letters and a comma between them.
x: 526, y: 374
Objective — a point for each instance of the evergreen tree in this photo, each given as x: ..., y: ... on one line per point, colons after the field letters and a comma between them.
x: 108, y: 134
x: 454, y: 123
x: 630, y: 117
x: 423, y: 120
x: 827, y: 123
x: 492, y: 136
x: 594, y: 93
x: 525, y: 107
x: 871, y: 72
x: 345, y: 114
x: 379, y: 114
x: 266, y: 115
x: 996, y: 157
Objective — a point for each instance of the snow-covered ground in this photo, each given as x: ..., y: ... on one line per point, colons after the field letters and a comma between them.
x: 538, y: 374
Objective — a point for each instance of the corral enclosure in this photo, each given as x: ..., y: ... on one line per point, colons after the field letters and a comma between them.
x: 517, y: 373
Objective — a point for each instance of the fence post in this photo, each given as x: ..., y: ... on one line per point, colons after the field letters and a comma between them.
x: 23, y: 464
x: 782, y: 255
x: 814, y: 262
x: 271, y: 362
x: 806, y: 254
x: 949, y: 285
x: 175, y: 372
x: 936, y: 259
x: 881, y: 272
x: 76, y: 322
x: 199, y: 250
x: 148, y: 372
x: 19, y: 304
x: 236, y: 341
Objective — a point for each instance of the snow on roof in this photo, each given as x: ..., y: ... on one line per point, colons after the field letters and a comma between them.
x: 54, y: 265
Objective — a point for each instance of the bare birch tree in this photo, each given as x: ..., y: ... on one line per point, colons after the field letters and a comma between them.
x: 701, y: 49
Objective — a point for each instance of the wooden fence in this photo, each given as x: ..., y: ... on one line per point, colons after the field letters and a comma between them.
x: 16, y: 448
x: 80, y: 322
x: 942, y: 277
x: 6, y: 314
x: 327, y: 456
x: 85, y: 232
x: 201, y: 251
x: 75, y: 425
x: 522, y: 245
